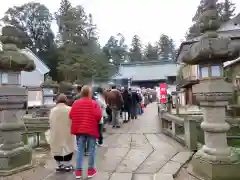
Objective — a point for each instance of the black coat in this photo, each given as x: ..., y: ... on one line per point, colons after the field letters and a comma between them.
x: 127, y: 99
x: 135, y: 99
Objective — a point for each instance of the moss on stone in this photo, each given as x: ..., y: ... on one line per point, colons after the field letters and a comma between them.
x: 12, y: 59
x: 49, y: 83
x: 65, y: 87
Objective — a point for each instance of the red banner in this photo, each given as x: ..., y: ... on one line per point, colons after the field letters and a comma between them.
x: 163, y: 93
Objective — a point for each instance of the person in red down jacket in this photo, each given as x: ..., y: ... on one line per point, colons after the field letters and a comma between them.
x: 85, y: 115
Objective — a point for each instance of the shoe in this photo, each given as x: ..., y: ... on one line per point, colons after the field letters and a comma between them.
x: 86, y: 153
x: 68, y: 168
x: 117, y: 126
x: 60, y: 168
x: 92, y: 172
x: 78, y: 174
x: 124, y: 121
x: 100, y: 145
x: 113, y: 126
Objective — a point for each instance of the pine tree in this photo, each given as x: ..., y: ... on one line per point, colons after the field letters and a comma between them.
x: 151, y: 52
x: 136, y: 50
x: 227, y: 10
x: 116, y: 49
x: 166, y: 48
x: 199, y: 11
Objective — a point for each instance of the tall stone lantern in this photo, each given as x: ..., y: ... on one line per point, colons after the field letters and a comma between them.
x: 214, y: 160
x: 14, y: 155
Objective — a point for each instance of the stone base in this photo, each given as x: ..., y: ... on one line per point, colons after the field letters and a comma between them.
x: 207, y: 170
x: 16, y: 160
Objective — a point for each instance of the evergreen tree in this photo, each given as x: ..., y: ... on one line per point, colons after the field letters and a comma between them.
x: 227, y: 10
x: 136, y: 49
x: 82, y: 58
x: 116, y: 50
x: 166, y: 48
x: 151, y: 52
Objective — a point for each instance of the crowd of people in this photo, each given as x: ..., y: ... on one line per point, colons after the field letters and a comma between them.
x: 80, y: 128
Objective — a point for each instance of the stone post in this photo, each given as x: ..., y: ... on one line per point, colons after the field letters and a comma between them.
x: 190, y: 133
x: 215, y: 160
x: 48, y: 87
x: 14, y: 155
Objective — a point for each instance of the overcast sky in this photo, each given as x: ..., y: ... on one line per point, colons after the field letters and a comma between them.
x: 146, y: 18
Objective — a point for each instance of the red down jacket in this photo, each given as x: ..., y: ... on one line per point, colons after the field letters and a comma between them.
x: 85, y: 115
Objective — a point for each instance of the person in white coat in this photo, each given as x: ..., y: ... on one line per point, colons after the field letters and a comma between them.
x: 102, y: 103
x: 62, y: 142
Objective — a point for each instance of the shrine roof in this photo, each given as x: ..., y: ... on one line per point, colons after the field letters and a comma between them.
x: 146, y: 71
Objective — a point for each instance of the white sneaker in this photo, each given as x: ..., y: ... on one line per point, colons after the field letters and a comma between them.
x: 100, y: 145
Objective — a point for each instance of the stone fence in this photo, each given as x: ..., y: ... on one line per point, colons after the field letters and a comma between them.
x: 186, y: 129
x: 181, y: 129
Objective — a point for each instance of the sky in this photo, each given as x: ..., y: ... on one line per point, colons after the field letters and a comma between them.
x: 146, y: 18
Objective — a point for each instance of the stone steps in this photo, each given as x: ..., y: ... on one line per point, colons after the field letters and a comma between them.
x: 172, y: 167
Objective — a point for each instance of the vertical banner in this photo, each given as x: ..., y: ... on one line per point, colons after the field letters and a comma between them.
x: 163, y: 93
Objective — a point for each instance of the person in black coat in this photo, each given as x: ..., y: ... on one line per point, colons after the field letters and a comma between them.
x: 127, y: 100
x: 134, y: 105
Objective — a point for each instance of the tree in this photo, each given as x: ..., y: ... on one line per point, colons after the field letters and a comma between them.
x: 71, y: 28
x: 82, y: 58
x: 136, y: 49
x: 227, y: 10
x: 115, y: 49
x: 151, y: 52
x: 166, y: 48
x: 200, y: 9
x: 33, y: 18
x: 194, y: 31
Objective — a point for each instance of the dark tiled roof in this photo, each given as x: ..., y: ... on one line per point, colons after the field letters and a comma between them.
x: 147, y: 71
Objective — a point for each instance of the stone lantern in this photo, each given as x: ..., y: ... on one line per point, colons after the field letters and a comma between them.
x: 67, y: 88
x: 215, y: 160
x: 14, y: 155
x: 49, y: 88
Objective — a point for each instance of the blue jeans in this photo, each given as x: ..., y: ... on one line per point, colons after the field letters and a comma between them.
x: 81, y: 143
x: 140, y: 109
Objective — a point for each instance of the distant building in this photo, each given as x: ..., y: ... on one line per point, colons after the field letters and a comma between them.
x: 147, y: 73
x: 36, y: 77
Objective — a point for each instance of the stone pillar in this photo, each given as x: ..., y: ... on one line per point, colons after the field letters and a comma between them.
x: 214, y: 124
x: 14, y: 155
x: 215, y: 160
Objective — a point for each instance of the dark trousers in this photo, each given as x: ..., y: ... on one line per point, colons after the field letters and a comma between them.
x: 66, y: 158
x: 109, y: 113
x: 134, y: 111
x: 100, y: 139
